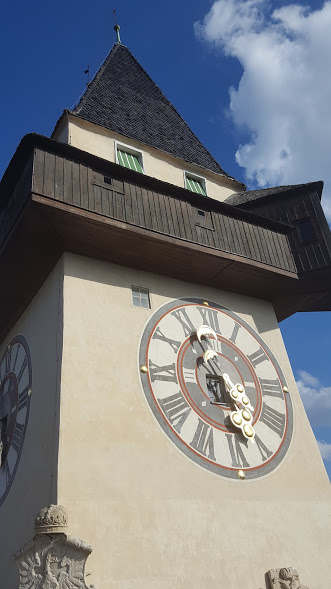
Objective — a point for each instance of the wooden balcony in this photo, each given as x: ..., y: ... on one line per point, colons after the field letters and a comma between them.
x: 56, y: 198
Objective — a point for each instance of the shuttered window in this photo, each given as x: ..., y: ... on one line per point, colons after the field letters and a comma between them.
x: 129, y: 160
x: 195, y: 184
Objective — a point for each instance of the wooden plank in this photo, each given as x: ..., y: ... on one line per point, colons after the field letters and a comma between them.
x: 157, y: 212
x: 59, y: 178
x: 168, y: 214
x: 134, y: 205
x: 120, y: 209
x: 49, y: 174
x: 175, y: 221
x: 84, y: 186
x: 240, y: 243
x: 147, y: 212
x: 67, y: 184
x: 76, y: 184
x: 179, y: 215
x: 38, y: 171
x: 140, y: 206
x: 106, y: 195
x: 97, y: 199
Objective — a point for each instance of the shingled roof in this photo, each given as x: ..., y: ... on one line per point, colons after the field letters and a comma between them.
x: 123, y: 98
x: 245, y: 197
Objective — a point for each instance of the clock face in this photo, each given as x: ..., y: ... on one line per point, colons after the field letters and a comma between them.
x: 15, y: 392
x: 215, y: 388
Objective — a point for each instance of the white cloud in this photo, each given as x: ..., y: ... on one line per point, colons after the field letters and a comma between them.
x: 325, y: 450
x: 316, y: 399
x: 284, y: 96
x: 308, y: 379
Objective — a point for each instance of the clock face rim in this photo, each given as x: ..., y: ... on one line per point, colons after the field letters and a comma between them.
x: 20, y: 339
x: 252, y: 473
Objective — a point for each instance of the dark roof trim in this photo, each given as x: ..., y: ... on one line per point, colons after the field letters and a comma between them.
x: 244, y: 199
x: 33, y: 140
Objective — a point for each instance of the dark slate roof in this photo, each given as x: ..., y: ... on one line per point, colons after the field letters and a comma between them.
x: 242, y: 198
x: 123, y: 98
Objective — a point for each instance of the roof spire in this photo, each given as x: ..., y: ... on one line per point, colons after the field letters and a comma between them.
x: 117, y: 28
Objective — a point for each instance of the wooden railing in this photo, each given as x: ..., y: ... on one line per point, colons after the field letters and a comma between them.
x: 137, y: 202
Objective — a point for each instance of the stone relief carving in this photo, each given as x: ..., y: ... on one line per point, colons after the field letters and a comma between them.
x: 52, y: 560
x: 285, y: 578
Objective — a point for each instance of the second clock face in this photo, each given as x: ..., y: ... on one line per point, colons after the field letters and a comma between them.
x: 15, y: 392
x: 207, y: 368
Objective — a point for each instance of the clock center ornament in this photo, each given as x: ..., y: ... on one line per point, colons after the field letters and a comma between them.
x: 215, y: 388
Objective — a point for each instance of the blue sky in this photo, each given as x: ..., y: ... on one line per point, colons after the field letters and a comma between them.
x: 251, y: 79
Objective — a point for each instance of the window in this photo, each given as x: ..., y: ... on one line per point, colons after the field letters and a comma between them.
x: 128, y: 157
x: 305, y: 230
x: 140, y: 297
x: 195, y: 183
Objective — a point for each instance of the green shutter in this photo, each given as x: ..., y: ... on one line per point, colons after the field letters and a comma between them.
x: 128, y: 160
x: 195, y: 185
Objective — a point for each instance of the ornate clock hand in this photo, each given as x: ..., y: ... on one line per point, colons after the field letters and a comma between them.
x: 241, y: 418
x: 237, y: 392
x: 209, y: 355
x: 205, y: 331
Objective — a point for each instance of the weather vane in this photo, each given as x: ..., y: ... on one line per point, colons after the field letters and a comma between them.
x: 117, y: 27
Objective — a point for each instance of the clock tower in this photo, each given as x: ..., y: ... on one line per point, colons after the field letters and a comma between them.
x: 145, y: 389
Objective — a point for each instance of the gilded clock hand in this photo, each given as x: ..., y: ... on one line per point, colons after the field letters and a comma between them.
x: 210, y: 355
x: 237, y: 392
x: 205, y: 331
x: 241, y: 417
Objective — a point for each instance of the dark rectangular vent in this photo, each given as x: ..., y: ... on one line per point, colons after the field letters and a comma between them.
x: 107, y: 180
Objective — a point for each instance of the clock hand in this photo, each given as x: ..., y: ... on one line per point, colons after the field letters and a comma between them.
x: 241, y: 418
x: 205, y: 331
x: 237, y: 392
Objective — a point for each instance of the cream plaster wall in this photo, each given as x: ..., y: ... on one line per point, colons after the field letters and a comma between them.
x: 154, y: 518
x: 101, y: 142
x: 35, y: 483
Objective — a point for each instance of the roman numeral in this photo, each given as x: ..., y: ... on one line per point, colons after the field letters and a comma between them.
x: 257, y: 357
x: 215, y: 344
x: 189, y: 375
x: 264, y: 451
x: 210, y: 316
x: 8, y: 360
x: 7, y: 472
x: 16, y: 355
x: 203, y: 440
x: 173, y: 343
x: 176, y: 410
x: 166, y: 373
x: 17, y: 436
x: 237, y: 455
x: 234, y: 333
x: 186, y: 323
x: 273, y: 419
x: 271, y: 387
x: 23, y: 398
x: 23, y: 367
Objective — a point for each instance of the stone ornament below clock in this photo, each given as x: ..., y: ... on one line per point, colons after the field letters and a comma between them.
x: 52, y: 560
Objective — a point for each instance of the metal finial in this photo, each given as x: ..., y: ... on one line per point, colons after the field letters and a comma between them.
x: 87, y: 71
x: 117, y: 28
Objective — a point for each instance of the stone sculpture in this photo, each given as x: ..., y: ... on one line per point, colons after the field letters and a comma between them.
x: 52, y: 560
x: 285, y: 578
